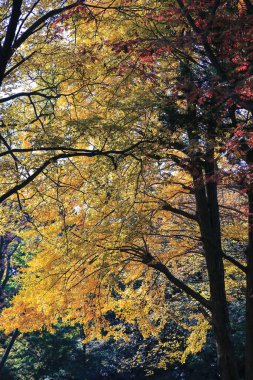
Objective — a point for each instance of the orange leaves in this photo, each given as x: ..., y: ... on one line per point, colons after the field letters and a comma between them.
x: 242, y: 8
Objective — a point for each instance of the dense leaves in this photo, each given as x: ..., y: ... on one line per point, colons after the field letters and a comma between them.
x: 127, y: 170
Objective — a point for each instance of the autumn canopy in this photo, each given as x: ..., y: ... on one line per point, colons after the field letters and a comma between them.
x: 127, y: 171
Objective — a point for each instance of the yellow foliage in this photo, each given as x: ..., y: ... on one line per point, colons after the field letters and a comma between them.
x: 196, y: 339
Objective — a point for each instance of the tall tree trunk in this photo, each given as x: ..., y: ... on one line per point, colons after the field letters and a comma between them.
x: 6, y: 49
x: 249, y: 276
x: 209, y: 222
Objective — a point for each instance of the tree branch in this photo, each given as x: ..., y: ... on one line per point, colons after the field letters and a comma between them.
x: 28, y: 94
x: 15, y: 334
x: 178, y: 283
x: 188, y: 16
x: 12, y: 26
x: 6, y: 50
x: 83, y: 153
x: 174, y: 210
x: 38, y: 23
x: 249, y: 6
x: 14, y: 67
x: 235, y: 262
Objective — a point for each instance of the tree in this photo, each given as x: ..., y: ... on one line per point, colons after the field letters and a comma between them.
x: 184, y: 112
x: 9, y: 245
x: 213, y: 70
x: 33, y: 58
x: 33, y: 51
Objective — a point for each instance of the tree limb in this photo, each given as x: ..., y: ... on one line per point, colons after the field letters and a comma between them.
x: 235, y: 262
x: 178, y: 283
x: 249, y: 6
x: 84, y: 153
x: 38, y: 23
x: 174, y: 210
x: 15, y: 334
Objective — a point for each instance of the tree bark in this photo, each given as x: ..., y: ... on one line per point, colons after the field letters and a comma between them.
x: 6, y: 49
x: 82, y: 336
x: 179, y: 284
x: 206, y: 196
x: 8, y: 348
x: 249, y: 277
x: 249, y: 296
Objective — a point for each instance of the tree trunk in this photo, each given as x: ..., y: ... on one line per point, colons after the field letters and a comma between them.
x: 249, y: 277
x: 82, y: 336
x: 8, y: 348
x: 209, y: 222
x: 6, y: 49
